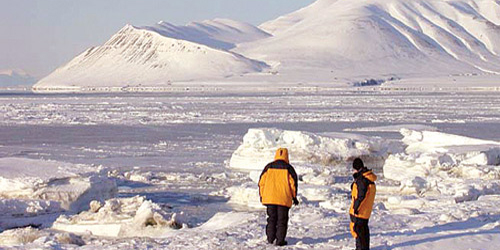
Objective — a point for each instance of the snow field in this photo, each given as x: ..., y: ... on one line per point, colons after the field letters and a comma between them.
x: 182, y: 169
x: 414, y: 206
x: 320, y: 105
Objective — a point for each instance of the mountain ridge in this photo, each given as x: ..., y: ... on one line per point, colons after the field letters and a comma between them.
x: 217, y: 33
x: 325, y: 41
x: 429, y: 37
x: 143, y: 56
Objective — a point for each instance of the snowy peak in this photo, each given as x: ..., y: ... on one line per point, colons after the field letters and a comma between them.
x: 329, y: 40
x: 385, y: 37
x: 217, y: 33
x: 288, y: 21
x: 146, y: 56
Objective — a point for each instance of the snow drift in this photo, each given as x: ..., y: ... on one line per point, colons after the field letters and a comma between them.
x: 72, y: 186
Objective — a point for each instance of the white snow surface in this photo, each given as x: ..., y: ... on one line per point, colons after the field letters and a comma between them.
x: 12, y: 72
x: 408, y: 213
x: 393, y: 128
x: 318, y: 105
x: 440, y: 179
x: 38, y: 237
x: 226, y: 220
x: 176, y: 148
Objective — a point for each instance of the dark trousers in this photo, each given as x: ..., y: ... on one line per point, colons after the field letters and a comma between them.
x: 363, y: 232
x: 277, y: 223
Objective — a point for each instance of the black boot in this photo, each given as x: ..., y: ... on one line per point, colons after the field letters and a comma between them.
x: 282, y: 243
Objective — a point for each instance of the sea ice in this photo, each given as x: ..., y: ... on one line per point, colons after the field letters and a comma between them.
x: 444, y: 165
x: 246, y: 195
x: 122, y: 217
x: 259, y: 146
x: 37, y: 190
x: 435, y: 154
x: 27, y: 236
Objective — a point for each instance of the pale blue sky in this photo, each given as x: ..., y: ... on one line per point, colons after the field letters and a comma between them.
x: 40, y: 35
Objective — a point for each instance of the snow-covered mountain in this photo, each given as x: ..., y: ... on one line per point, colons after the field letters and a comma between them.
x: 12, y: 77
x: 384, y: 37
x: 158, y: 55
x: 327, y: 40
x: 217, y: 33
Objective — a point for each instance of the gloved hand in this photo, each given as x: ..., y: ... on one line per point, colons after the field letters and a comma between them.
x: 354, y: 219
x: 295, y: 201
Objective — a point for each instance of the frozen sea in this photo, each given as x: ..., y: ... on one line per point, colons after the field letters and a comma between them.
x: 192, y: 135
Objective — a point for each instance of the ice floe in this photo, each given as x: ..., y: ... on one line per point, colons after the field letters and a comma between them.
x: 34, y: 238
x: 436, y: 154
x: 121, y: 217
x: 36, y: 190
x: 444, y: 165
x: 259, y: 146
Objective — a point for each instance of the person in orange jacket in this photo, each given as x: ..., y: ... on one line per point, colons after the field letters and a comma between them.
x: 278, y: 186
x: 363, y: 196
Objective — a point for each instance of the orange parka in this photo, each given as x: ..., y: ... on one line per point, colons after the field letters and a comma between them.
x: 278, y: 182
x: 363, y: 191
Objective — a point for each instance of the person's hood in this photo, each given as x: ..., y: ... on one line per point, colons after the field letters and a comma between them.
x: 282, y: 154
x: 367, y: 173
x: 370, y: 176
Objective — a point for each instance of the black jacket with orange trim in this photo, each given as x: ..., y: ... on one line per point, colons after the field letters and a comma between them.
x: 363, y: 191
